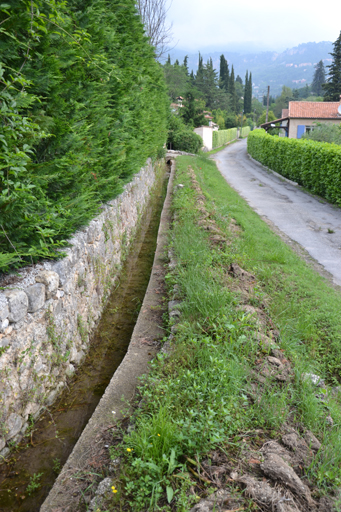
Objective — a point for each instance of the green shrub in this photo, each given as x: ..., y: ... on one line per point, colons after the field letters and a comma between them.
x: 245, y: 131
x: 221, y: 137
x: 83, y: 105
x: 181, y: 137
x: 314, y: 165
x: 325, y: 132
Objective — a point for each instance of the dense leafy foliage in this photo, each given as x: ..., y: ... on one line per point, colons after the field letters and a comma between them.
x: 315, y: 165
x: 325, y: 132
x: 245, y: 131
x: 83, y: 105
x: 223, y: 136
x: 182, y: 137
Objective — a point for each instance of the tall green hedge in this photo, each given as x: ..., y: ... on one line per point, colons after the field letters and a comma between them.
x: 82, y: 104
x: 221, y: 137
x: 245, y: 131
x: 315, y: 165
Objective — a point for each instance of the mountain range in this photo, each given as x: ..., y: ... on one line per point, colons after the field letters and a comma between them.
x: 293, y: 67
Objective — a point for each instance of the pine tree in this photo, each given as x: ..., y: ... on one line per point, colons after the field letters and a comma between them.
x: 319, y: 79
x: 169, y: 60
x: 332, y: 87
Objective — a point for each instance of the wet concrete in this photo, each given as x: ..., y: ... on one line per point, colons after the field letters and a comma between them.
x: 48, y: 445
x: 303, y: 217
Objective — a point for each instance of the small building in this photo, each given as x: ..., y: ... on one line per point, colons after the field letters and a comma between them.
x: 301, y: 116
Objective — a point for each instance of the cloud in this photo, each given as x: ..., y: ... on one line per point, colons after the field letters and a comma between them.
x: 198, y: 24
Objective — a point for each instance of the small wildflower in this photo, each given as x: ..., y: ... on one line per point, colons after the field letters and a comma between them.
x: 114, y: 490
x: 159, y: 435
x: 129, y: 450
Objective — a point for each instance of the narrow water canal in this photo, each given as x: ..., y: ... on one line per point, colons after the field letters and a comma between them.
x: 51, y: 440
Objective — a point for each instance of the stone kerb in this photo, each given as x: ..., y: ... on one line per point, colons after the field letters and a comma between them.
x: 47, y: 317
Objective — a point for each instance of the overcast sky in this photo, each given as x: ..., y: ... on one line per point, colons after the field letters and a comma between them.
x: 269, y: 25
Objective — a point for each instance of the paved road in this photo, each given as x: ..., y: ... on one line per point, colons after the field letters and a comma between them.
x: 301, y: 216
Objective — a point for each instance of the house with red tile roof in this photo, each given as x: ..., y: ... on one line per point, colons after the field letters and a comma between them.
x: 302, y: 116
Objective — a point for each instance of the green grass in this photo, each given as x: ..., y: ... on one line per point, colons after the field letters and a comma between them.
x: 197, y: 398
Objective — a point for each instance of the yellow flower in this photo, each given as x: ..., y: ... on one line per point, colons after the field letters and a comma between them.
x: 159, y: 435
x: 114, y: 489
x: 128, y: 449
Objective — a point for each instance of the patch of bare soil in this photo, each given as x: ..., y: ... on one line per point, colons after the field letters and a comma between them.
x: 267, y: 473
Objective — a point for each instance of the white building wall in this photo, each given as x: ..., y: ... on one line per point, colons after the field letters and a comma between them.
x: 206, y: 133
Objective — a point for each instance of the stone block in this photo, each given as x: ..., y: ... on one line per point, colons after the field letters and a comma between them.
x: 4, y: 324
x: 17, y: 304
x: 4, y: 311
x: 4, y: 342
x: 36, y: 297
x: 14, y: 425
x: 51, y: 281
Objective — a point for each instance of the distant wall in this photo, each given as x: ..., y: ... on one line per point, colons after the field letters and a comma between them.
x: 48, y: 314
x: 206, y: 133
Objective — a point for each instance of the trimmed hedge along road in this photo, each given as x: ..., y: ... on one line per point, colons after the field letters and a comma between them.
x: 314, y: 165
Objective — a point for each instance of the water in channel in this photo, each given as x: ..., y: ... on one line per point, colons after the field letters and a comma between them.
x: 46, y: 448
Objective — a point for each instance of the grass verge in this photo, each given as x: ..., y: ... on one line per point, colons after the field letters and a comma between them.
x: 213, y: 402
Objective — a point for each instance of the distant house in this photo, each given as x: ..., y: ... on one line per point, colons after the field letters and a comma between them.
x: 301, y: 117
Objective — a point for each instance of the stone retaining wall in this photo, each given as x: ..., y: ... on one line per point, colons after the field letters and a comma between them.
x: 47, y: 316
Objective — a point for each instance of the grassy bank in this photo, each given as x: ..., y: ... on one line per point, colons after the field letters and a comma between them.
x: 214, y: 401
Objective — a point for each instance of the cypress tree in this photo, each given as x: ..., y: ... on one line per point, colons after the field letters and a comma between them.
x: 169, y: 60
x: 185, y: 64
x: 232, y: 91
x: 332, y: 88
x: 319, y: 79
x: 246, y: 92
x: 224, y: 74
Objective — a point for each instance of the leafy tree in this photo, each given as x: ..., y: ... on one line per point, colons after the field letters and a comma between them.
x: 230, y: 121
x: 181, y: 137
x: 319, y: 79
x: 325, y: 132
x: 262, y: 118
x: 192, y: 111
x: 176, y: 80
x: 282, y: 101
x: 332, y: 87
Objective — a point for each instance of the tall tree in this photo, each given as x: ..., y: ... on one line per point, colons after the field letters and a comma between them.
x: 224, y: 74
x: 246, y: 93
x: 232, y: 91
x: 154, y: 18
x: 332, y: 88
x: 319, y: 79
x: 185, y: 64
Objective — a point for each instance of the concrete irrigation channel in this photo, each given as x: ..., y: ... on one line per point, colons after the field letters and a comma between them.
x: 70, y: 438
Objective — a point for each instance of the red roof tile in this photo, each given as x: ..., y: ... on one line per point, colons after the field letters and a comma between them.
x: 314, y: 109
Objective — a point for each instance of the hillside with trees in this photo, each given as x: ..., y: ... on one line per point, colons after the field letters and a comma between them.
x: 208, y: 95
x: 293, y: 67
